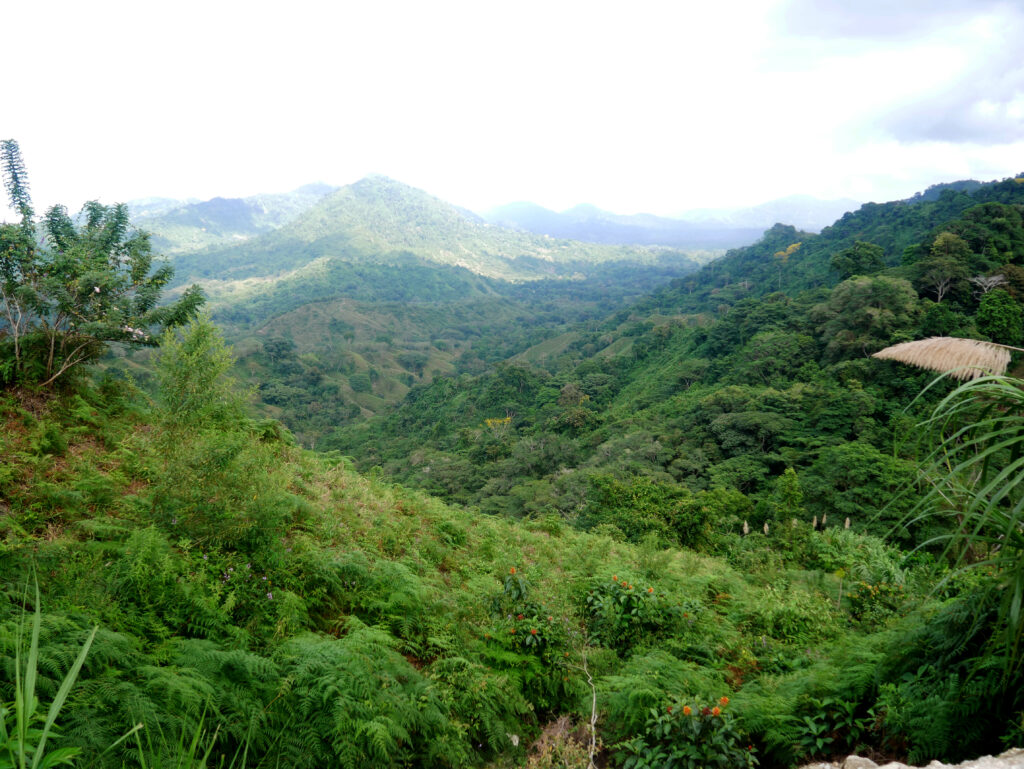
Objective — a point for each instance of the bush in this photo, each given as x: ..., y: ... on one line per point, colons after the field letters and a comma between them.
x: 689, y: 734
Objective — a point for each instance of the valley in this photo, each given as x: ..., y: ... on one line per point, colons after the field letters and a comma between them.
x: 414, y: 489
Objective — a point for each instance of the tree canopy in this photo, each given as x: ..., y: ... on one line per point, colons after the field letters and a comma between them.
x: 69, y: 286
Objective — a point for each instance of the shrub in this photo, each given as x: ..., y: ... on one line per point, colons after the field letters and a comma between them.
x: 620, y: 614
x: 689, y: 734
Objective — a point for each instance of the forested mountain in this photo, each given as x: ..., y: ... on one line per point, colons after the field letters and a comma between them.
x: 379, y: 286
x: 722, y: 381
x: 378, y: 221
x: 786, y: 259
x: 179, y: 227
x: 698, y: 527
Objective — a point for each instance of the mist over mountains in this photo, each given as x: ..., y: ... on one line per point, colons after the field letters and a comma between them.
x: 184, y: 226
x: 696, y: 229
x: 180, y: 226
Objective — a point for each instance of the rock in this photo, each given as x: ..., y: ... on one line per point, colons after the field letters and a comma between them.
x: 1010, y: 759
x: 859, y: 762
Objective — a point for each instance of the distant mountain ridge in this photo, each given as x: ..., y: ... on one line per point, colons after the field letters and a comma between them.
x: 590, y: 224
x: 181, y: 226
x: 378, y: 220
x: 805, y: 212
x: 698, y: 229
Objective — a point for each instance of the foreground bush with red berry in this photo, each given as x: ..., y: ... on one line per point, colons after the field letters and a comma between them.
x: 689, y: 734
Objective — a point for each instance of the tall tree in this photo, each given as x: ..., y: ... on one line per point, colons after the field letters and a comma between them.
x: 864, y: 314
x: 859, y: 259
x: 1000, y: 317
x: 83, y: 285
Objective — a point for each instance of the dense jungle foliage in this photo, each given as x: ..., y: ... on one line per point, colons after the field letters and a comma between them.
x: 666, y: 578
x: 663, y: 405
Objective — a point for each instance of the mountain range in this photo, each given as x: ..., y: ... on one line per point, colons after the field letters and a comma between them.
x: 381, y: 221
x: 181, y: 226
x: 697, y: 229
x: 188, y: 226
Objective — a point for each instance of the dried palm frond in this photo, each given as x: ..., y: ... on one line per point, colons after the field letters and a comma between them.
x: 960, y: 358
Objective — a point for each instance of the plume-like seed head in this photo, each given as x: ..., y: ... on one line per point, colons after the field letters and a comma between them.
x: 960, y: 358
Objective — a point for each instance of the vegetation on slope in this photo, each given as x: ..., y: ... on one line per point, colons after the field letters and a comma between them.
x: 185, y: 227
x: 674, y: 578
x: 725, y: 399
x: 274, y: 601
x: 987, y: 217
x: 380, y: 221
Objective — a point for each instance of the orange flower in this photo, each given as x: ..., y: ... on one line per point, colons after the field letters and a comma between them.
x: 723, y: 701
x: 650, y: 590
x: 513, y: 630
x: 716, y: 711
x: 512, y: 570
x: 533, y: 631
x: 687, y: 710
x: 615, y: 577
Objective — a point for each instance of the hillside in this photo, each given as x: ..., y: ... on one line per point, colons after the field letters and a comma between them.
x: 377, y: 220
x: 718, y: 535
x: 179, y: 227
x: 337, y: 286
x: 276, y: 607
x: 708, y: 387
x: 897, y: 227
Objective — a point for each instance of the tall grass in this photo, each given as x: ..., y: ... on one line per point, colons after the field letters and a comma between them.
x: 22, y: 739
x: 976, y: 474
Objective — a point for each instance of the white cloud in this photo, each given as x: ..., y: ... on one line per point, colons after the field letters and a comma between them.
x: 656, y: 106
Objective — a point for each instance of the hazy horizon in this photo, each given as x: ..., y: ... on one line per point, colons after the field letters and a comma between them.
x: 659, y: 109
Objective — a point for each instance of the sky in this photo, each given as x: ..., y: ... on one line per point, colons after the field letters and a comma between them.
x: 633, y: 106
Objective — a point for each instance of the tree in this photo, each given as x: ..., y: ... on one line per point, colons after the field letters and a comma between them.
x: 864, y: 314
x: 783, y: 258
x: 986, y: 283
x: 859, y: 259
x: 951, y: 246
x: 195, y: 388
x: 940, y: 274
x: 1000, y: 318
x: 84, y: 284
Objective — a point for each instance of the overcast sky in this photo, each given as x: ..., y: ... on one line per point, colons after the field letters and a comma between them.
x: 632, y: 106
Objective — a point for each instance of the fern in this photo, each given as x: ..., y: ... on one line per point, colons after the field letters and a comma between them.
x: 361, y: 703
x: 488, y: 703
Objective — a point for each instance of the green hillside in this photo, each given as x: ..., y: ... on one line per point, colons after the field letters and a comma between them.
x: 328, y: 352
x: 723, y: 392
x: 381, y: 249
x: 899, y: 228
x: 378, y: 220
x: 601, y: 527
x: 281, y: 609
x: 183, y: 227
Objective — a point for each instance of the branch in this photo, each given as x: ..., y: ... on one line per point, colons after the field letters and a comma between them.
x: 69, y: 361
x: 593, y: 711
